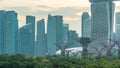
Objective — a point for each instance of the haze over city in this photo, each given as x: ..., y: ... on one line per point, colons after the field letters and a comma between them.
x: 60, y: 34
x: 70, y: 9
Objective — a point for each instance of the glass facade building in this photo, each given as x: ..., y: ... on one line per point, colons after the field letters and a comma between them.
x: 102, y: 16
x: 86, y: 25
x: 65, y: 32
x: 54, y: 32
x: 8, y: 33
x: 72, y: 35
x: 85, y: 16
x: 41, y: 38
x: 118, y: 24
x: 25, y: 44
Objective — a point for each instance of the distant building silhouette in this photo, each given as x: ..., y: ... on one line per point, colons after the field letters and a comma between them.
x: 25, y: 37
x: 31, y: 20
x: 118, y: 24
x: 65, y: 32
x: 54, y: 32
x: 41, y: 38
x: 9, y: 29
x: 86, y: 25
x: 2, y: 12
x: 85, y: 16
x: 72, y: 35
x: 102, y: 15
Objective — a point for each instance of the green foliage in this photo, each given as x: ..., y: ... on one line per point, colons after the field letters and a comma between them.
x: 22, y: 61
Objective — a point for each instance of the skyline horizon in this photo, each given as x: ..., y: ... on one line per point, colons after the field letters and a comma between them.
x: 71, y: 12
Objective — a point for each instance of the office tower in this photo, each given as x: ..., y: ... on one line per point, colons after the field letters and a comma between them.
x: 9, y: 31
x: 72, y: 35
x: 2, y: 12
x: 85, y: 16
x: 31, y: 20
x: 41, y: 38
x: 54, y: 32
x: 25, y: 44
x: 102, y: 13
x: 118, y: 24
x: 65, y: 32
x: 46, y: 43
x: 86, y: 25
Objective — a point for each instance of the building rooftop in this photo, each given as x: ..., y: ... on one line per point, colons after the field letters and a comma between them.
x: 93, y: 1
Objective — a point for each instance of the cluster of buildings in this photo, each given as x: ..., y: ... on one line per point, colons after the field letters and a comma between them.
x: 23, y: 40
x: 99, y: 26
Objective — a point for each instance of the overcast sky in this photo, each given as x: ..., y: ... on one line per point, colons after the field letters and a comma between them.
x: 70, y: 9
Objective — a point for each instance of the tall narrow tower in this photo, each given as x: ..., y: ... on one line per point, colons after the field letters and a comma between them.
x: 41, y: 40
x: 54, y: 32
x: 102, y: 18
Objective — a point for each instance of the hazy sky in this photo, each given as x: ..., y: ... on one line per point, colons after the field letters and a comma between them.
x: 70, y: 9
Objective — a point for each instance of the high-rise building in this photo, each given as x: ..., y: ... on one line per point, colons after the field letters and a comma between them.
x: 41, y: 38
x: 65, y: 32
x: 72, y: 35
x: 85, y: 16
x: 2, y: 12
x: 54, y: 32
x: 102, y: 15
x: 9, y: 31
x: 31, y: 20
x: 25, y: 45
x: 86, y: 25
x: 118, y: 24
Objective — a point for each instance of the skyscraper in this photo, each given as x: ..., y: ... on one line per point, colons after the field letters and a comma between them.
x: 118, y: 24
x: 65, y: 32
x: 2, y: 12
x: 54, y: 32
x: 86, y: 25
x: 41, y: 38
x: 25, y: 44
x: 85, y: 16
x: 31, y: 20
x: 102, y: 13
x: 9, y: 30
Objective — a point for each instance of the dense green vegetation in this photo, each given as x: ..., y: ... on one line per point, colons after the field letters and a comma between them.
x: 21, y: 61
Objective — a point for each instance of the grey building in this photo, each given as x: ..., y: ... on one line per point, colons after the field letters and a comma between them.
x: 118, y: 24
x: 86, y: 25
x: 102, y: 15
x: 85, y: 16
x: 54, y: 32
x: 41, y: 38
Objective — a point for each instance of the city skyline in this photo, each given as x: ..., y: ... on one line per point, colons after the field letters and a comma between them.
x: 41, y: 8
